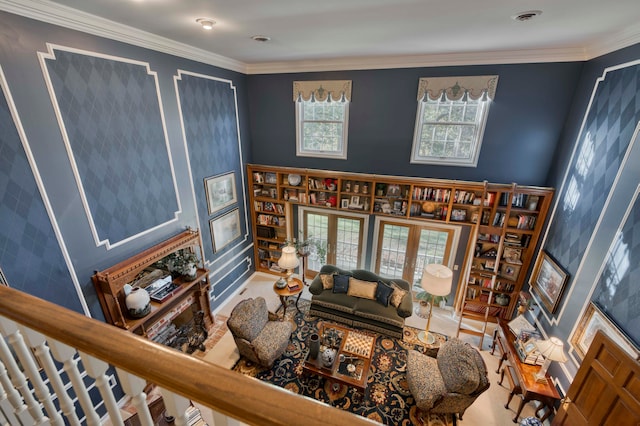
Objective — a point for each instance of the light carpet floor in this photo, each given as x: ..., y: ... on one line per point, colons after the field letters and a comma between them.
x: 487, y: 410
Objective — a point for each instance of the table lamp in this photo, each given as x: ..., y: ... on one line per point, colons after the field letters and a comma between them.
x: 552, y: 350
x: 288, y: 260
x: 436, y: 280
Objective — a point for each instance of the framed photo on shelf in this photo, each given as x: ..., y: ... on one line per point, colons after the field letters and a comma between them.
x: 344, y: 203
x: 393, y: 190
x: 512, y: 255
x: 489, y: 264
x: 355, y: 201
x: 459, y: 215
x: 593, y: 320
x: 548, y: 281
x: 220, y: 191
x: 224, y: 229
x: 509, y: 271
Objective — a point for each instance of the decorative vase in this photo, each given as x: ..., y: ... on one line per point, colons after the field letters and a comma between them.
x: 502, y: 299
x: 328, y: 356
x: 314, y: 345
x: 138, y: 302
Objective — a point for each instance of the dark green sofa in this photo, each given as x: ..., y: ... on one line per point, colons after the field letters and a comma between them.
x: 357, y: 311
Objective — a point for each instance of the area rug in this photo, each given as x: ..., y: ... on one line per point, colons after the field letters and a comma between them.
x: 387, y: 398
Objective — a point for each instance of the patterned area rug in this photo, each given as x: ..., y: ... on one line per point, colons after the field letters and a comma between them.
x: 387, y: 398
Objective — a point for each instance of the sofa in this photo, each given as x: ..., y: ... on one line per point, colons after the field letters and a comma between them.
x: 361, y: 299
x: 450, y: 382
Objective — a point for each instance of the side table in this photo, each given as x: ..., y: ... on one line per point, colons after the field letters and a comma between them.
x: 285, y: 293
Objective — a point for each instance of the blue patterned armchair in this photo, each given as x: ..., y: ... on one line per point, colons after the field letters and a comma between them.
x: 449, y: 383
x: 259, y: 337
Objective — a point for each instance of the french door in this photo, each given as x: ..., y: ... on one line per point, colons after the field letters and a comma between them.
x: 403, y: 249
x: 336, y: 239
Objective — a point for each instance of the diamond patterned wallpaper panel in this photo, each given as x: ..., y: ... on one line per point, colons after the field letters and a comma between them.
x: 210, y: 125
x: 607, y: 132
x: 30, y: 255
x: 111, y: 113
x: 617, y: 291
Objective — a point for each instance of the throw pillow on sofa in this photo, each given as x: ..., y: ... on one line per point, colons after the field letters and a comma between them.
x: 398, y: 294
x: 362, y: 289
x: 340, y: 283
x: 327, y: 281
x: 383, y: 293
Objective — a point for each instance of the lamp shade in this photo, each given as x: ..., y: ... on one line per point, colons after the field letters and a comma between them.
x: 436, y: 279
x: 288, y: 259
x: 552, y: 349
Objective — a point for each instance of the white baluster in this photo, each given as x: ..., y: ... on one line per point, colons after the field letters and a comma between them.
x: 176, y: 405
x: 10, y: 401
x: 65, y: 354
x: 97, y: 369
x: 134, y: 386
x: 38, y: 342
x: 18, y: 379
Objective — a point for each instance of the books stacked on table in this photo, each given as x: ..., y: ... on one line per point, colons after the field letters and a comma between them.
x: 293, y: 285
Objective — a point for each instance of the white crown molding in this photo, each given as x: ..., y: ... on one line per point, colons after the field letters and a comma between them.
x: 67, y: 17
x: 74, y: 19
x: 419, y: 61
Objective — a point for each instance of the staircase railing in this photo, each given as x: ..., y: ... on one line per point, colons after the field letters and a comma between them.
x: 56, y: 369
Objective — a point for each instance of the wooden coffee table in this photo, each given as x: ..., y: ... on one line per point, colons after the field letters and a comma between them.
x: 356, y: 347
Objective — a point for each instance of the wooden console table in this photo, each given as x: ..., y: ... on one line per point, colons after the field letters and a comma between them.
x: 191, y: 296
x: 523, y: 379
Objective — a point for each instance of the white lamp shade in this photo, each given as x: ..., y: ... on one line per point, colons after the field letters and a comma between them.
x: 436, y: 279
x: 552, y: 349
x: 288, y: 259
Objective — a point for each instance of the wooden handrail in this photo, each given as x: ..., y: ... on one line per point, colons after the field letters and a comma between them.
x: 235, y: 395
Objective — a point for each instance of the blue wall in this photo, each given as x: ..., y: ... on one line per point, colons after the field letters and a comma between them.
x: 524, y: 124
x: 71, y: 286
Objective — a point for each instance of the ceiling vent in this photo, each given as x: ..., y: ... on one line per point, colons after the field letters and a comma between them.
x: 526, y: 16
x: 261, y: 38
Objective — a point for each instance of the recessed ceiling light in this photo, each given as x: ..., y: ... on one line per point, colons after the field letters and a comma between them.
x: 261, y: 38
x: 206, y: 23
x: 526, y: 16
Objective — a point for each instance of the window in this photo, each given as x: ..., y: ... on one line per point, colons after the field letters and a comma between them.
x: 452, y: 112
x: 322, y: 112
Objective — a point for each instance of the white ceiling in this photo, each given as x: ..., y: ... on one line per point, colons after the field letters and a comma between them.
x: 309, y: 35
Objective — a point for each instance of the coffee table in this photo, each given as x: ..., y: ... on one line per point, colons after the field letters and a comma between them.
x: 357, y: 350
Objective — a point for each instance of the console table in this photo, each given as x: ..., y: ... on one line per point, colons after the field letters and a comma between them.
x: 191, y: 296
x: 522, y: 375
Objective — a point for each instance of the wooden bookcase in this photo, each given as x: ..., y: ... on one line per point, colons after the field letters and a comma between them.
x: 501, y: 250
x: 504, y: 219
x: 191, y: 296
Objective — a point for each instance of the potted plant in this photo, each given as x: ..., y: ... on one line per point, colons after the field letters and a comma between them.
x: 182, y: 262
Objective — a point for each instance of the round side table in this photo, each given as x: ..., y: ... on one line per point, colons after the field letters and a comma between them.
x: 286, y: 292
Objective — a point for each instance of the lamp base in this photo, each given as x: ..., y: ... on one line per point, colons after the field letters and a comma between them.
x: 427, y: 338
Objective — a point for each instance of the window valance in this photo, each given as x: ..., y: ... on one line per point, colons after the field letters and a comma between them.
x: 320, y: 90
x: 455, y: 88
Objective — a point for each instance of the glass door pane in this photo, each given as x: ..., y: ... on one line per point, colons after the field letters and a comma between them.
x: 433, y: 247
x: 316, y: 229
x: 392, y: 250
x: 348, y: 242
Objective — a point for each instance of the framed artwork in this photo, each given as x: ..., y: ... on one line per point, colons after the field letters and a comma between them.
x: 393, y: 190
x: 355, y: 201
x: 512, y: 255
x: 548, y: 281
x: 224, y: 229
x: 509, y: 271
x: 221, y: 191
x: 344, y: 203
x: 593, y: 320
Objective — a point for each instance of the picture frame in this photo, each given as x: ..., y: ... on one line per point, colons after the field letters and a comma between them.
x: 355, y: 201
x: 489, y: 264
x: 509, y: 271
x: 512, y: 255
x: 548, y: 281
x: 458, y: 215
x: 220, y: 191
x: 592, y: 320
x: 344, y: 203
x: 224, y: 229
x: 393, y: 190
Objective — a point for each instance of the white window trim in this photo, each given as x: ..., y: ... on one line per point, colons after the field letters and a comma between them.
x: 452, y: 89
x: 322, y: 91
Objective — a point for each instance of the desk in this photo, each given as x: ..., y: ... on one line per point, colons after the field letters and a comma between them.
x: 545, y: 393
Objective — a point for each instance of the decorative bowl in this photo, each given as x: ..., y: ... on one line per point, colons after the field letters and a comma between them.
x: 294, y: 180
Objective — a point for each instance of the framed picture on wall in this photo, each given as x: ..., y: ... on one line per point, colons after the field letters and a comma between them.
x: 225, y: 229
x: 548, y: 281
x: 220, y: 191
x: 593, y: 320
